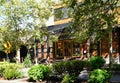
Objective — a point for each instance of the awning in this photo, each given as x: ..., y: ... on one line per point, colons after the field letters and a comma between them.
x: 61, y: 30
x: 58, y: 29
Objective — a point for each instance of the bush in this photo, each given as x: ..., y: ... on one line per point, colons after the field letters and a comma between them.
x: 99, y: 76
x: 39, y: 72
x: 12, y: 71
x: 58, y: 68
x: 96, y: 62
x: 2, y: 68
x: 72, y: 67
x: 68, y: 79
x: 27, y: 62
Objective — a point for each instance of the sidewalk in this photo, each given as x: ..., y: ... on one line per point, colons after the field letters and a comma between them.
x: 23, y: 80
x: 114, y: 79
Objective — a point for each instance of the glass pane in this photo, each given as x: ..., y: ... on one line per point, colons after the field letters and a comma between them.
x: 76, y: 49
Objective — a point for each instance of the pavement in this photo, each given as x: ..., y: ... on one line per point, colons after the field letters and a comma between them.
x: 84, y: 74
x: 114, y: 79
x: 23, y: 80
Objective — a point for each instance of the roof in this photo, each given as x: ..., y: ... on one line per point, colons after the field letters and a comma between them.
x: 57, y: 29
x: 60, y: 30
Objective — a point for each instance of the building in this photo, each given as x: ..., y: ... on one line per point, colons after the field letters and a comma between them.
x: 65, y: 47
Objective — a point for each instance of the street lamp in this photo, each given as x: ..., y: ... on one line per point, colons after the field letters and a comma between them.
x: 44, y: 40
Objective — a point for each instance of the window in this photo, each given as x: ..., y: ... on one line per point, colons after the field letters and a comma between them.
x: 62, y: 13
x: 76, y: 49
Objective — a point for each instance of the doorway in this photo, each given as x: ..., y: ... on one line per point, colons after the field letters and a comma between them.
x: 68, y: 48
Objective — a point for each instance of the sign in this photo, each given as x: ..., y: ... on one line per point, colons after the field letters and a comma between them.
x: 7, y: 46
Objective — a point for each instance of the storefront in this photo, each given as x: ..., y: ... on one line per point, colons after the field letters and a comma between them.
x: 67, y: 48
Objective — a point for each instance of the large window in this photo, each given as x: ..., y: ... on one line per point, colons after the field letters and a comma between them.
x: 66, y: 48
x: 76, y: 49
x: 62, y: 13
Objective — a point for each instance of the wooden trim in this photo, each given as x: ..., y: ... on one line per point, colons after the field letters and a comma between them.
x: 59, y: 6
x: 62, y: 21
x: 79, y: 0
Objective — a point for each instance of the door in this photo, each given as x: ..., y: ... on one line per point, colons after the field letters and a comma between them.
x: 68, y: 48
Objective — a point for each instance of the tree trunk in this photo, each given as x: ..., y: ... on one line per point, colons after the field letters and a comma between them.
x: 35, y: 55
x: 18, y: 56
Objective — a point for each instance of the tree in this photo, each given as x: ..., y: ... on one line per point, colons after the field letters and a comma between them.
x: 23, y: 19
x: 92, y: 18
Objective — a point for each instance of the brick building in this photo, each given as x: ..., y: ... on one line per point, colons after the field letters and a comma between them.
x: 66, y: 47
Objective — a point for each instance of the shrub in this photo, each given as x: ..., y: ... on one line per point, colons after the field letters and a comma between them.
x: 58, y: 68
x: 12, y: 71
x: 96, y: 62
x: 27, y: 62
x: 72, y: 67
x: 39, y: 72
x: 68, y: 79
x: 12, y: 74
x: 99, y: 76
x: 2, y: 68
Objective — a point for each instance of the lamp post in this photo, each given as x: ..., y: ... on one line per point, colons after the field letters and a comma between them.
x: 44, y: 40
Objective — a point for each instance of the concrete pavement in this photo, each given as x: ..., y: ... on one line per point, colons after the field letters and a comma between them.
x: 23, y: 80
x: 115, y: 79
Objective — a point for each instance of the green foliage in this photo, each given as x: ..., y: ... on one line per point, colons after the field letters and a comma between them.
x: 99, y: 76
x: 72, y: 67
x: 27, y: 62
x: 96, y: 62
x: 90, y: 17
x: 59, y: 68
x: 18, y: 20
x: 68, y: 79
x: 5, y: 66
x: 2, y: 68
x: 10, y: 71
x: 39, y: 72
x: 71, y: 3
